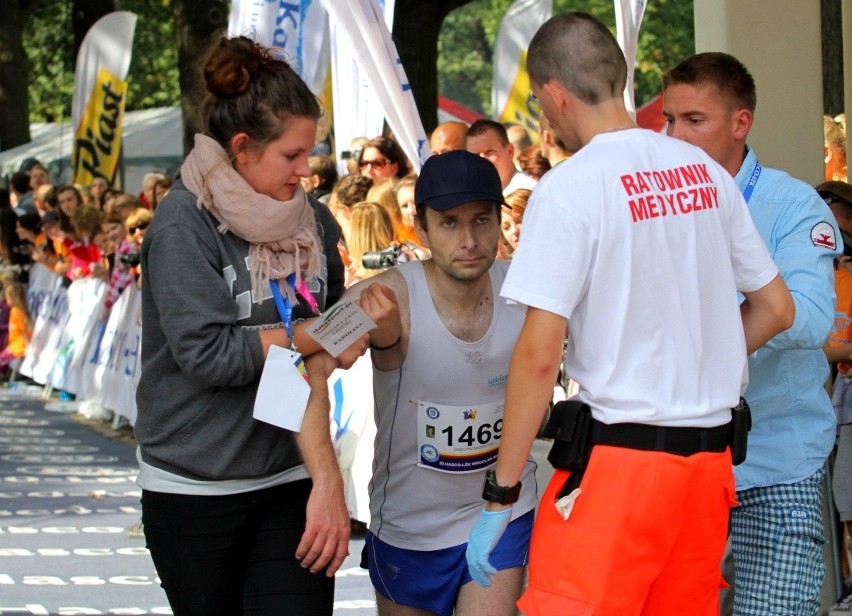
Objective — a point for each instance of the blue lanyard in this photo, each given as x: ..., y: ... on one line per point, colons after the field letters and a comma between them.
x: 755, y: 175
x: 282, y: 302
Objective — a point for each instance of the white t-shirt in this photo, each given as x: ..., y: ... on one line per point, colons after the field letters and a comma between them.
x: 642, y: 242
x: 519, y: 180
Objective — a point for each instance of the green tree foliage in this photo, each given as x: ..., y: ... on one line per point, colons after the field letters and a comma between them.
x: 466, y: 45
x: 153, y: 77
x: 49, y: 44
x: 465, y: 48
x: 667, y: 37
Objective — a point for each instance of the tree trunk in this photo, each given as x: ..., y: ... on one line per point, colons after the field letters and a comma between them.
x: 416, y: 26
x: 197, y: 23
x: 14, y: 76
x: 832, y: 57
x: 84, y: 15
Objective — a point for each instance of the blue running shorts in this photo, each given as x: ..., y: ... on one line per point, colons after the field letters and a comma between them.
x: 430, y: 580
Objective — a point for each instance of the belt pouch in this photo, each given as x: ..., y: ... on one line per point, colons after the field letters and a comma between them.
x: 570, y: 427
x: 740, y: 425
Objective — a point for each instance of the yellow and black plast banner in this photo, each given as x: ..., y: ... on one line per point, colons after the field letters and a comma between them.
x: 97, y: 142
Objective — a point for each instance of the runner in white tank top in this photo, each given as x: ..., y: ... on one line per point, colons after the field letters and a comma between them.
x: 439, y: 385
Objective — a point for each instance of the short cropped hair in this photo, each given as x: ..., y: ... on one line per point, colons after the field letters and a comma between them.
x: 721, y: 70
x: 578, y: 51
x: 483, y: 125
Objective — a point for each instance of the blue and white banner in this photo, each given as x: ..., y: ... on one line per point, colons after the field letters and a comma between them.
x: 360, y: 30
x: 628, y: 20
x: 117, y: 359
x: 511, y: 94
x: 299, y: 28
x: 85, y: 305
x: 73, y: 349
x: 48, y: 301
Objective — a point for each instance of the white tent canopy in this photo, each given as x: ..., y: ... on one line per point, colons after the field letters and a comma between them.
x: 153, y: 141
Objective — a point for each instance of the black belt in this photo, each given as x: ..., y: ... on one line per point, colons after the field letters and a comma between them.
x: 679, y: 441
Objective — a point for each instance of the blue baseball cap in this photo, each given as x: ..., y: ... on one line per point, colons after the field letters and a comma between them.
x: 456, y: 177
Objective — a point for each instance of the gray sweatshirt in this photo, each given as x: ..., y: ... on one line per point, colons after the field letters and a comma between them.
x: 201, y: 352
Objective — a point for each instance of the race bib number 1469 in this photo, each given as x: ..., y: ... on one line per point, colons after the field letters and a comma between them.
x: 458, y: 439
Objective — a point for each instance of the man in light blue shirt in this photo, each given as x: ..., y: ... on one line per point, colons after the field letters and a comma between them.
x: 776, y: 532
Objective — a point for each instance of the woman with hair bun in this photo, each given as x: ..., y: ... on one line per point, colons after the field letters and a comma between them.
x: 241, y: 516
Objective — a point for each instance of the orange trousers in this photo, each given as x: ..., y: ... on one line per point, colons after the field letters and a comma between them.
x: 645, y: 537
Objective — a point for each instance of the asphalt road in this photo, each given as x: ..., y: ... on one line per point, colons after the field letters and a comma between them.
x: 67, y: 497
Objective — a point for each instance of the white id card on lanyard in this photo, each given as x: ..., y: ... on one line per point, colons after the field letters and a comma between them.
x: 283, y: 391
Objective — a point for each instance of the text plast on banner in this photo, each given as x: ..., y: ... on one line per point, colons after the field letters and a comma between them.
x: 97, y: 143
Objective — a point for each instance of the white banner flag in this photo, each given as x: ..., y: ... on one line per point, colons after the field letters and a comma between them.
x: 108, y: 44
x: 511, y: 94
x: 100, y: 92
x: 628, y: 20
x: 361, y: 27
x: 357, y: 111
x: 297, y: 27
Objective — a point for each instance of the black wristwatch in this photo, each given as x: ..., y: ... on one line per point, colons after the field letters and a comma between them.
x: 499, y: 494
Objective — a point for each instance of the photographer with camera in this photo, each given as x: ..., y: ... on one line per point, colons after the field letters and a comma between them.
x: 439, y: 398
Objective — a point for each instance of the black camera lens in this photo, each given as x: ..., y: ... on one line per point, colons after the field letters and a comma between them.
x: 129, y: 259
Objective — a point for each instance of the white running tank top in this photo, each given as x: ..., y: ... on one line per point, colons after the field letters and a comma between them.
x: 437, y: 418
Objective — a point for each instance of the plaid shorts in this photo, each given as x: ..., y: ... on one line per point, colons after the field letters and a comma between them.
x: 777, y: 539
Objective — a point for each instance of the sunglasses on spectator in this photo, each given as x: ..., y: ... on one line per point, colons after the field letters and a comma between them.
x: 378, y: 163
x: 140, y: 227
x: 830, y: 198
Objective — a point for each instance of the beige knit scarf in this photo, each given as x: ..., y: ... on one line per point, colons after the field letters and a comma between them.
x: 282, y: 234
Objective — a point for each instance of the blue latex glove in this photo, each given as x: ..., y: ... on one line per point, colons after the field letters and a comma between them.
x: 483, y: 537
